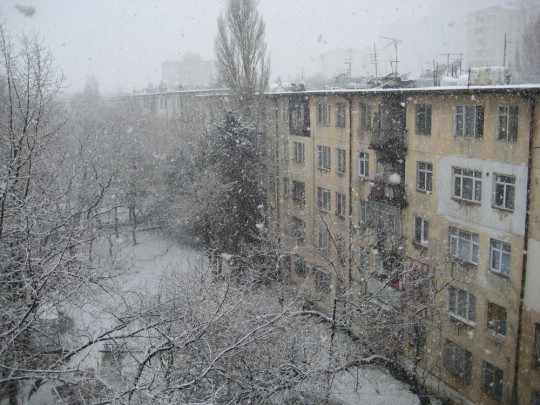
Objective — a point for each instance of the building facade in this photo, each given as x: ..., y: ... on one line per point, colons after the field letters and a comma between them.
x: 427, y: 201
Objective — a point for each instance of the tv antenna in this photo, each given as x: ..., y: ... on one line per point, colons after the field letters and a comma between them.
x: 504, y: 53
x: 393, y: 41
x: 448, y: 54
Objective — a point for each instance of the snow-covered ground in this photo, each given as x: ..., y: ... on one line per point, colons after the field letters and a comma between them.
x: 154, y: 256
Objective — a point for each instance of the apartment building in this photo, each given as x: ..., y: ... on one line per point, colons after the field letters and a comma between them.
x: 423, y: 202
x: 428, y: 201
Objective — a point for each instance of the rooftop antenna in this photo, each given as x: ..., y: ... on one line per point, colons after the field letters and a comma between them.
x: 349, y: 62
x: 448, y: 54
x: 393, y: 41
x: 504, y: 53
x: 374, y: 58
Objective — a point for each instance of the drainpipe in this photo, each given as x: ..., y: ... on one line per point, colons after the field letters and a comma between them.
x: 515, y: 390
x: 350, y: 172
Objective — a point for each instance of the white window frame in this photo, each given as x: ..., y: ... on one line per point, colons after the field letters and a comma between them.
x: 462, y: 305
x: 299, y: 152
x: 323, y: 157
x: 341, y: 205
x: 365, y: 117
x: 323, y: 114
x: 504, y: 191
x: 466, y: 116
x: 424, y: 177
x: 464, y: 180
x: 464, y: 245
x: 507, y: 123
x: 341, y: 159
x: 324, y: 199
x: 363, y: 164
x: 500, y: 257
x: 421, y: 231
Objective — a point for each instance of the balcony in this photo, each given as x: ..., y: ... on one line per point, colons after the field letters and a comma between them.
x: 390, y: 145
x: 388, y: 193
x: 384, y: 293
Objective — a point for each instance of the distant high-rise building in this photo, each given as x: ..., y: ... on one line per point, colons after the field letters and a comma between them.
x: 191, y: 71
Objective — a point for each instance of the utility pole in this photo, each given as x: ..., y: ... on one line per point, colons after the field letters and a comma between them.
x: 374, y: 58
x: 504, y: 52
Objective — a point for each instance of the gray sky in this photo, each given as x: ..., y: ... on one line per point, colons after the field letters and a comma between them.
x: 123, y: 42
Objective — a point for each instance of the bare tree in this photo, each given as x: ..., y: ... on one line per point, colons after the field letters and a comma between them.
x: 240, y: 51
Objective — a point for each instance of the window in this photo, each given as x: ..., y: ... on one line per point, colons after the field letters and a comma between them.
x: 536, y: 398
x: 299, y: 152
x: 464, y: 245
x: 299, y: 120
x: 363, y: 259
x: 500, y: 255
x: 323, y: 199
x: 340, y: 159
x: 504, y: 192
x: 285, y: 151
x: 424, y: 176
x: 467, y: 184
x: 496, y: 320
x: 362, y: 212
x: 341, y: 206
x: 365, y: 117
x: 423, y: 120
x: 285, y: 112
x: 492, y: 380
x: 322, y: 280
x: 469, y: 121
x: 299, y: 192
x: 461, y: 304
x: 286, y: 262
x: 457, y: 360
x: 323, y: 114
x: 323, y: 240
x: 341, y: 249
x: 421, y: 231
x: 300, y: 266
x: 298, y: 229
x: 285, y: 187
x: 363, y: 164
x: 507, y: 123
x: 340, y: 115
x: 323, y: 157
x: 537, y: 345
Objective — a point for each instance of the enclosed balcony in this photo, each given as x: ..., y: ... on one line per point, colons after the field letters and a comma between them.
x: 388, y: 192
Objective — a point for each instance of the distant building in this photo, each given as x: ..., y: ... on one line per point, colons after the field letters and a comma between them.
x: 192, y: 71
x: 487, y: 28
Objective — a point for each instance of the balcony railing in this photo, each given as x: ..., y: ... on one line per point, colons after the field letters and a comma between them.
x: 390, y: 145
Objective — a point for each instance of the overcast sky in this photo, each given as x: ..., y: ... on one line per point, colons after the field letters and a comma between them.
x: 123, y: 42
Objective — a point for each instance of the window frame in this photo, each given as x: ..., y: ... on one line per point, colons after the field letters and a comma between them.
x: 496, y: 320
x: 299, y: 153
x: 322, y: 280
x: 507, y: 184
x: 464, y: 177
x: 423, y: 115
x: 502, y: 252
x: 298, y: 229
x: 492, y: 380
x: 461, y: 305
x: 323, y: 114
x: 324, y: 199
x: 365, y: 117
x: 341, y: 115
x: 299, y: 192
x: 285, y: 112
x: 341, y: 205
x: 511, y: 115
x: 286, y: 190
x: 363, y: 259
x: 457, y: 238
x: 285, y: 146
x: 323, y: 241
x: 424, y: 177
x: 469, y: 116
x: 323, y: 157
x: 363, y: 164
x: 341, y: 161
x: 421, y: 235
x: 453, y: 358
x: 362, y: 212
x: 300, y: 266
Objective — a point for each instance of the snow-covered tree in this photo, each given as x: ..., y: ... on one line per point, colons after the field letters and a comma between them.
x: 242, y: 65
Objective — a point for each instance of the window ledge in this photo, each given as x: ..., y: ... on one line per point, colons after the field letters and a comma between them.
x: 323, y: 169
x: 499, y: 274
x: 424, y: 191
x: 462, y: 262
x: 420, y: 245
x: 467, y: 202
x: 505, y: 210
x: 496, y: 337
x: 461, y: 319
